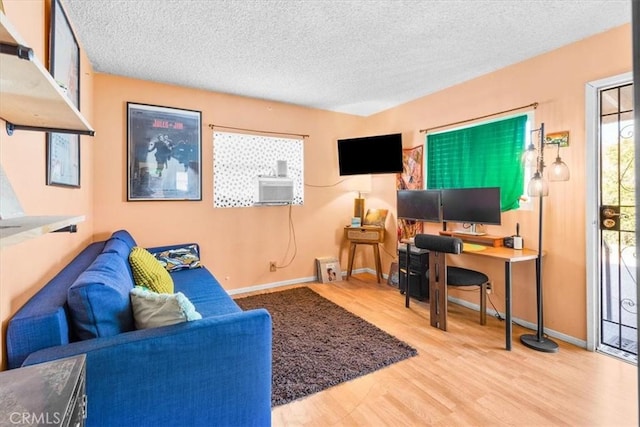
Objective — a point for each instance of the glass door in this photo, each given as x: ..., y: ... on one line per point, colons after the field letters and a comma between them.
x: 617, y: 210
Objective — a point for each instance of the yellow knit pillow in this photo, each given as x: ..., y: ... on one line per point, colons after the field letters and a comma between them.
x: 148, y: 272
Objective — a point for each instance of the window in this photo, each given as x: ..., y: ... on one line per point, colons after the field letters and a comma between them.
x: 484, y: 155
x: 257, y: 170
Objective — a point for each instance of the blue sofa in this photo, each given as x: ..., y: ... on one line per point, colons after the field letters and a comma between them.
x: 215, y: 371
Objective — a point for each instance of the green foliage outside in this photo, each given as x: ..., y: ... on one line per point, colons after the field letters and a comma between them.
x: 618, y: 186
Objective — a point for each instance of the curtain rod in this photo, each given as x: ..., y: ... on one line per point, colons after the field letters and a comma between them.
x: 534, y: 105
x: 211, y: 126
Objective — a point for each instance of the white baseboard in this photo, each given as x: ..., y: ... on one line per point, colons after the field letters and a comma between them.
x: 274, y: 285
x: 490, y: 312
x: 271, y: 285
x: 550, y: 332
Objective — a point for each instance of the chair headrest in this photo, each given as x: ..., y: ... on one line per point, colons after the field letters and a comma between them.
x: 432, y: 242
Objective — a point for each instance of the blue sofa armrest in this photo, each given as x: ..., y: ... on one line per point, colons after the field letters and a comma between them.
x: 214, y: 371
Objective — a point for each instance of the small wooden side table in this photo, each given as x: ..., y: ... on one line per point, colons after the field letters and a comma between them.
x: 365, y: 235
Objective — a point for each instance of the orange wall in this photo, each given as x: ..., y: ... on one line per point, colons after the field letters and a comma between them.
x: 556, y: 81
x: 238, y: 243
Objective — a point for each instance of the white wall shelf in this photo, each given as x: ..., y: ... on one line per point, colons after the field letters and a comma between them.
x: 31, y: 98
x: 16, y: 230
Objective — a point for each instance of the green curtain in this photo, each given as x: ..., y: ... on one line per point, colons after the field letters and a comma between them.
x: 487, y: 155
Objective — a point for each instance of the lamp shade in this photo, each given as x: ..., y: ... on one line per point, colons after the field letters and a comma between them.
x: 538, y: 186
x: 359, y: 183
x: 559, y: 171
x: 530, y: 156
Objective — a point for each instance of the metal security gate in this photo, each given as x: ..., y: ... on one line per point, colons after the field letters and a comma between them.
x: 617, y: 210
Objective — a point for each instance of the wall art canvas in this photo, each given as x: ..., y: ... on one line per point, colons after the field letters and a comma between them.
x: 558, y: 138
x: 375, y: 217
x: 164, y: 152
x: 411, y: 178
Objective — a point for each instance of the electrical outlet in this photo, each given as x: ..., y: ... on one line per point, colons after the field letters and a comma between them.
x: 489, y: 288
x: 272, y: 266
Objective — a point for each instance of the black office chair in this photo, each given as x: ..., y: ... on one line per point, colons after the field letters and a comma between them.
x: 440, y: 276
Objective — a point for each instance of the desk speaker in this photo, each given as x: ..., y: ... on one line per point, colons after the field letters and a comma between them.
x: 514, y: 242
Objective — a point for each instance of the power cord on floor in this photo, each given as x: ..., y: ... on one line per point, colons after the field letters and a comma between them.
x: 497, y: 315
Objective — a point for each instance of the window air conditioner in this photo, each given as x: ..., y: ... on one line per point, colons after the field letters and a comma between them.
x: 271, y: 190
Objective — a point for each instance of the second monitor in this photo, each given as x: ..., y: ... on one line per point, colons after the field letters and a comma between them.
x: 419, y: 205
x: 472, y: 206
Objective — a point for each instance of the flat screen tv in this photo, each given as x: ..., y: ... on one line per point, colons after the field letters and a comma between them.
x: 472, y: 206
x: 419, y: 205
x: 370, y: 154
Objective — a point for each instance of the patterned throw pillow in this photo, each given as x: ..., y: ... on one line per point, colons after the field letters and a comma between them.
x: 152, y: 310
x: 179, y: 259
x: 148, y: 272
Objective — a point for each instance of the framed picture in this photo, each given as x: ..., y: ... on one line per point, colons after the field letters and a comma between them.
x: 328, y: 269
x: 64, y: 54
x: 164, y: 153
x: 393, y: 277
x: 63, y: 160
x: 63, y: 150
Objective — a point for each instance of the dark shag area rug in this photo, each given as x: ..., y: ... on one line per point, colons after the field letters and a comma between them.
x: 318, y: 344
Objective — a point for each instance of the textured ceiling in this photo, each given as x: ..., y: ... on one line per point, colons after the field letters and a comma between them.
x: 352, y: 56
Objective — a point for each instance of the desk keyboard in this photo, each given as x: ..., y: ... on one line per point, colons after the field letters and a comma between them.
x: 471, y: 247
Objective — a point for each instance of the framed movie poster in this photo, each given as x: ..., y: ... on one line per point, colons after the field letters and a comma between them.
x: 164, y: 153
x: 63, y: 149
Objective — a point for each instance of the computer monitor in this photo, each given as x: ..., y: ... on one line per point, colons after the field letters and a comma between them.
x: 472, y: 205
x: 419, y: 205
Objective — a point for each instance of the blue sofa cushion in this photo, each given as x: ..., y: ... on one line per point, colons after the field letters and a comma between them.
x: 99, y: 301
x: 205, y: 292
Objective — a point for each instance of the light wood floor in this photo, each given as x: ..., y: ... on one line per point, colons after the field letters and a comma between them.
x: 464, y: 377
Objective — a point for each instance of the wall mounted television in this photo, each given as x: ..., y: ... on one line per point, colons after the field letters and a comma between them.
x: 419, y: 205
x: 370, y: 155
x: 471, y: 205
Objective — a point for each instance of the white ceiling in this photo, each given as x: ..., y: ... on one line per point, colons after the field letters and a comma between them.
x: 352, y: 56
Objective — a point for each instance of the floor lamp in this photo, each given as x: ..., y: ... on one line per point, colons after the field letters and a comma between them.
x: 538, y: 187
